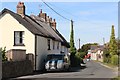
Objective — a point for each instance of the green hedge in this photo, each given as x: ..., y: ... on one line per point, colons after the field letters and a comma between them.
x: 114, y: 59
x: 107, y: 59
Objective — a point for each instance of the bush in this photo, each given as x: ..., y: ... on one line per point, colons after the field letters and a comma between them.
x: 106, y: 56
x: 80, y: 54
x: 3, y: 51
x: 114, y: 60
x: 79, y: 58
x: 107, y: 59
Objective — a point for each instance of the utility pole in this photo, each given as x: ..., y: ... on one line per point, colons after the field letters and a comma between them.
x: 79, y: 43
x: 103, y: 41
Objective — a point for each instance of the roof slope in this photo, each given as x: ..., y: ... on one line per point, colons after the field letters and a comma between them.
x: 36, y: 26
x: 28, y: 23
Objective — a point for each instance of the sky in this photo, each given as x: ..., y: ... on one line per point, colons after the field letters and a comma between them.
x: 92, y: 20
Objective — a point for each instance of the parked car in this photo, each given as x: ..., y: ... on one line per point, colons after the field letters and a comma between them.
x: 57, y: 62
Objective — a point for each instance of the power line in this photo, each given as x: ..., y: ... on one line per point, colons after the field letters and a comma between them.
x: 55, y: 11
x: 62, y: 10
x: 71, y: 14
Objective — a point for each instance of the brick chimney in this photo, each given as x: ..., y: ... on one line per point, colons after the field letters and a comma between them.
x: 21, y: 8
x: 48, y: 20
x: 43, y: 15
x: 53, y: 24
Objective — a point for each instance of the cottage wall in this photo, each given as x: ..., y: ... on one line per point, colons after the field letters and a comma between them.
x: 8, y: 25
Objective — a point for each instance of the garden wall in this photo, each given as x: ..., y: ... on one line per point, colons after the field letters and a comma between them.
x: 16, y: 68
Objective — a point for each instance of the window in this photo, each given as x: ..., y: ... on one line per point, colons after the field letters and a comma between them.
x: 48, y: 44
x: 53, y: 45
x: 18, y: 38
x: 58, y: 46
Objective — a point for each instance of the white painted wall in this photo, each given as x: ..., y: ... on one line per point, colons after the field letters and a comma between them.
x: 93, y: 56
x: 42, y: 50
x: 42, y: 47
x: 55, y: 50
x: 8, y: 25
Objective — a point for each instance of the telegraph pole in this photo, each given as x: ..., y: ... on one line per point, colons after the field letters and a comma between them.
x: 103, y: 41
x: 79, y: 43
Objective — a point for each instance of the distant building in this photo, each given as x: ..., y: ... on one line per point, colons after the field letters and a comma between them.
x: 36, y: 35
x: 96, y: 52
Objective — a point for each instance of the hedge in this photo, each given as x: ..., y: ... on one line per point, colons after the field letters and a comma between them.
x: 114, y: 59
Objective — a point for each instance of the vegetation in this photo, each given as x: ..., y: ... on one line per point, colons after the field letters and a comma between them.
x: 110, y: 54
x: 112, y: 43
x: 114, y: 60
x: 86, y: 47
x: 3, y: 51
x: 80, y: 56
x: 72, y: 47
x: 116, y: 78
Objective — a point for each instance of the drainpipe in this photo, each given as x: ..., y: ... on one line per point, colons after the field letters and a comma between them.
x: 35, y: 51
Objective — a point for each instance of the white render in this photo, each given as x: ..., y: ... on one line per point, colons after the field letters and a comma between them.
x: 8, y: 25
x: 93, y: 56
x: 98, y: 55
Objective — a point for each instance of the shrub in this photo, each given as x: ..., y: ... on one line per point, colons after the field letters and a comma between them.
x: 107, y: 59
x: 3, y: 51
x: 114, y: 60
x: 106, y: 56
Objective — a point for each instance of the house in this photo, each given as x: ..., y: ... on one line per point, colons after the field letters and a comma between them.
x: 37, y: 35
x: 96, y: 52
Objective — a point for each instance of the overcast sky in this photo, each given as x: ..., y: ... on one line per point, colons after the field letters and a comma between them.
x: 92, y: 20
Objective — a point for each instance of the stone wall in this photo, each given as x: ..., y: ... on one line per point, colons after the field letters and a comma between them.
x: 16, y: 68
x: 16, y: 55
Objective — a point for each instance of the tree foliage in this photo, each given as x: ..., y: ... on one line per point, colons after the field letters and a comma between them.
x: 112, y: 43
x: 72, y: 47
x: 3, y: 51
x: 86, y: 47
x: 110, y: 54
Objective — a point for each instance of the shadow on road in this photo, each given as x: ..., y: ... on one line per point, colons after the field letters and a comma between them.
x: 72, y: 69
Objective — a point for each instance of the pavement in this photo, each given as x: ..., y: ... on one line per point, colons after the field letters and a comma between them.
x: 93, y: 70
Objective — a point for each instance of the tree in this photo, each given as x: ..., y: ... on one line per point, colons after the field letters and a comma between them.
x: 112, y: 43
x: 86, y: 47
x: 72, y: 47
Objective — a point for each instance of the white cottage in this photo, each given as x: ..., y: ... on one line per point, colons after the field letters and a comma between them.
x: 35, y: 35
x: 96, y: 52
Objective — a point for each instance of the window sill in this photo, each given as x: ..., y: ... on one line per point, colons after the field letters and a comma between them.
x: 18, y: 45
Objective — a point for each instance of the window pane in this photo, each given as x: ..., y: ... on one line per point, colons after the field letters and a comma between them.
x: 18, y: 37
x: 48, y: 44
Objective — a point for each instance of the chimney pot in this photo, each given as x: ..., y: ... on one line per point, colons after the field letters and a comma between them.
x: 54, y: 20
x: 50, y: 19
x: 41, y: 11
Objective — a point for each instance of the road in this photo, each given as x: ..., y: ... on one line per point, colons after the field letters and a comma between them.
x: 93, y: 70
